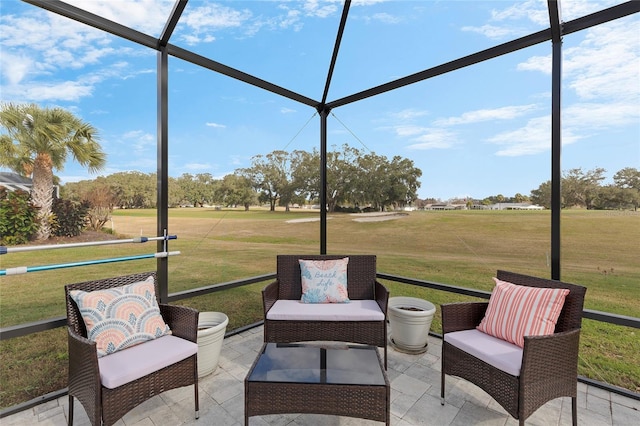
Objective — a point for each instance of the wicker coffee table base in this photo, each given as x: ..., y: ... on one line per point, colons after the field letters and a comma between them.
x: 365, y: 402
x: 352, y: 400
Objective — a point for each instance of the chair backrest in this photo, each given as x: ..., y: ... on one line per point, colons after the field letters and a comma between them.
x: 361, y: 275
x: 74, y: 318
x: 571, y: 316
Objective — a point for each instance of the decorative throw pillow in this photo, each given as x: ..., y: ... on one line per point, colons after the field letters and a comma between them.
x: 120, y: 317
x: 516, y: 311
x: 324, y: 281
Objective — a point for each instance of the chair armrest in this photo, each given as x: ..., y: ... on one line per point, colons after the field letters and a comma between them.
x: 270, y: 296
x: 182, y: 320
x: 551, y: 357
x: 462, y: 316
x: 382, y: 297
x: 84, y: 373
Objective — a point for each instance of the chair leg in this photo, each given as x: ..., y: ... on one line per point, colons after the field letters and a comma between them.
x: 197, y: 405
x: 70, y: 419
x: 442, y: 385
x: 574, y: 411
x: 442, y: 376
x: 385, y: 356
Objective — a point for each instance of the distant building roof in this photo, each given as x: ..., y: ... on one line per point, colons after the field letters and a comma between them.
x: 14, y: 182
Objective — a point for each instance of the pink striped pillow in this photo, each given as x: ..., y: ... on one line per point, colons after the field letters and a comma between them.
x: 516, y: 311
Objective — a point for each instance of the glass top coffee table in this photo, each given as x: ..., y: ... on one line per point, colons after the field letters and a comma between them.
x: 338, y: 379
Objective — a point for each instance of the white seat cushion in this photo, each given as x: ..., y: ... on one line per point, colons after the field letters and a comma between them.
x: 498, y: 353
x: 355, y: 310
x: 137, y: 361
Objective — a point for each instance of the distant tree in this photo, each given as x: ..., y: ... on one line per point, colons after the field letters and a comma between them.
x: 136, y: 190
x: 581, y: 188
x: 101, y: 195
x: 236, y: 190
x: 373, y: 180
x: 542, y: 195
x: 343, y: 177
x: 102, y: 198
x: 270, y: 176
x: 39, y: 140
x: 403, y: 182
x: 628, y: 179
x: 519, y: 198
x: 306, y: 174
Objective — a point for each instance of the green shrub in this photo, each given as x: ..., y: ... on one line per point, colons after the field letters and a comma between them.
x: 70, y: 217
x: 18, y: 217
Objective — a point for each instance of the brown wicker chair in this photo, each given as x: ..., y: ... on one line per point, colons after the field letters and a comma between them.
x: 103, y: 405
x: 549, y: 363
x: 361, y: 285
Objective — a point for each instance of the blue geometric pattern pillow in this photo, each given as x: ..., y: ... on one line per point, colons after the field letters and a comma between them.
x: 324, y: 281
x: 120, y: 317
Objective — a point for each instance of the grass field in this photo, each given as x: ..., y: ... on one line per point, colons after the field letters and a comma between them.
x: 600, y: 250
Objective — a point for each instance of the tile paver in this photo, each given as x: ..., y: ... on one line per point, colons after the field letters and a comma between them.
x: 415, y: 399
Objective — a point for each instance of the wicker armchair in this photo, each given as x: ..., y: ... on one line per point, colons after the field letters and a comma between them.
x: 549, y: 366
x: 103, y: 405
x: 361, y: 285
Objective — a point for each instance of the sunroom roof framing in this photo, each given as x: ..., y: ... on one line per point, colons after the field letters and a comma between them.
x: 88, y: 18
x: 554, y: 33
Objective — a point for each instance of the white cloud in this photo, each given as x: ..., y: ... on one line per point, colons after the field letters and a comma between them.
x: 284, y: 110
x: 64, y: 91
x: 214, y: 16
x: 572, y: 9
x: 493, y: 31
x: 433, y: 138
x: 409, y: 130
x: 532, y: 138
x: 216, y: 125
x: 587, y: 117
x: 606, y: 63
x: 385, y: 18
x: 409, y: 114
x: 15, y: 67
x: 38, y: 47
x: 536, y: 63
x: 140, y: 141
x: 603, y: 71
x: 531, y: 10
x: 319, y: 9
x: 148, y: 16
x: 504, y: 113
x: 197, y: 166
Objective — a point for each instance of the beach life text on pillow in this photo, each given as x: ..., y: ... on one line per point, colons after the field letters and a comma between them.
x: 324, y: 281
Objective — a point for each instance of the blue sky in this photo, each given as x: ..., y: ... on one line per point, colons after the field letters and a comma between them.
x: 479, y: 131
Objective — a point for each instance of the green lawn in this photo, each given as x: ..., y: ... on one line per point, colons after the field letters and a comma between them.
x: 462, y: 248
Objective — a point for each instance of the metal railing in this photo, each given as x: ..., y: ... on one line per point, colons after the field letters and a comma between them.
x: 20, y: 330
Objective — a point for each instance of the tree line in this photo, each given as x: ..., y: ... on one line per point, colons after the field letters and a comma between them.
x: 279, y: 178
x: 584, y: 189
x: 36, y: 141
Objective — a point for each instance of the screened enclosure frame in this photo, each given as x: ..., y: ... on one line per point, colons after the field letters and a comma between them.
x: 554, y: 33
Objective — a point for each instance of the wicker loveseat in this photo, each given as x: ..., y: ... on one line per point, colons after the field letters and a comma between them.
x: 545, y: 368
x: 320, y: 322
x: 110, y: 386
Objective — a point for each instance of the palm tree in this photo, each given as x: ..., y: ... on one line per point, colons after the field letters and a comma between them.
x: 39, y: 140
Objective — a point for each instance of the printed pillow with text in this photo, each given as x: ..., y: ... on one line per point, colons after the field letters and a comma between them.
x: 324, y: 281
x: 120, y: 317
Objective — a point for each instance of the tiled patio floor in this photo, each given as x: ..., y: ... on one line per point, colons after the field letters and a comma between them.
x: 415, y: 399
